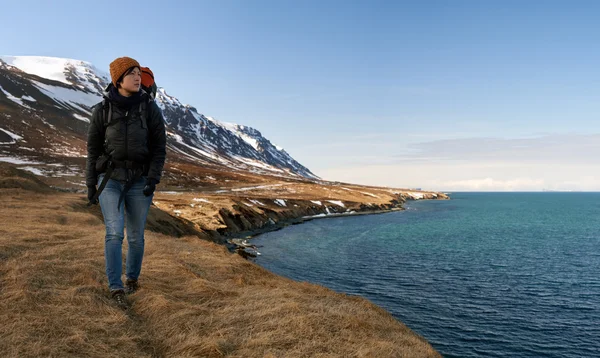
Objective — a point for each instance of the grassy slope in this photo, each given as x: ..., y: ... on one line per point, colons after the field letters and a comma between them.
x: 197, y: 299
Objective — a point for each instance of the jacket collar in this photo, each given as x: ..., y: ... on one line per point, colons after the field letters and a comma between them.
x: 106, y: 92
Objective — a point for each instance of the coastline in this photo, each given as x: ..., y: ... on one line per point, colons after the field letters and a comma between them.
x: 238, y: 241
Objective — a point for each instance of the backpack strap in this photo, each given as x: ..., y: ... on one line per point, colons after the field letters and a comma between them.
x: 106, y: 112
x: 106, y: 118
x: 143, y: 113
x: 107, y: 175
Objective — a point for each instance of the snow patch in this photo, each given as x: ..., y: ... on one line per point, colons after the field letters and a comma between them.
x: 67, y: 96
x: 253, y: 142
x: 280, y: 202
x: 179, y: 139
x: 81, y: 118
x: 33, y: 170
x: 415, y: 196
x: 78, y: 184
x: 337, y: 202
x: 256, y: 187
x: 54, y: 68
x: 45, y: 67
x: 316, y: 202
x: 17, y: 100
x: 14, y: 136
x: 201, y: 200
x: 314, y: 216
x: 257, y: 163
x: 14, y: 160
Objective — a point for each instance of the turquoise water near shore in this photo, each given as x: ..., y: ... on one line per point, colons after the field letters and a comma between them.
x: 481, y: 275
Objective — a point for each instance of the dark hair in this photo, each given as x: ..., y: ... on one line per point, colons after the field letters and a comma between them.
x: 125, y: 74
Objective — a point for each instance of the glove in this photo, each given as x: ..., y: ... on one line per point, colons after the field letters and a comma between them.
x: 91, y: 193
x: 150, y: 186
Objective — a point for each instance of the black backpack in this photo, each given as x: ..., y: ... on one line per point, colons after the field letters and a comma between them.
x: 151, y: 90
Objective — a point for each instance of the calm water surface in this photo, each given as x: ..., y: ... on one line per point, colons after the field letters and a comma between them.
x: 481, y: 275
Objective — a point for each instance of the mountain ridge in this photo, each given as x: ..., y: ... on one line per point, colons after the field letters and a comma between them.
x: 60, y: 93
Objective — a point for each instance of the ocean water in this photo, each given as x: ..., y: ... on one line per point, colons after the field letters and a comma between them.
x: 481, y: 275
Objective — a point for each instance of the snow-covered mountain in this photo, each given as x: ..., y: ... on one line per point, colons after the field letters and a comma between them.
x: 45, y: 106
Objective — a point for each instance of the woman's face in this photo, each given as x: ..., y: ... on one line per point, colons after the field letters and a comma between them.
x: 132, y: 81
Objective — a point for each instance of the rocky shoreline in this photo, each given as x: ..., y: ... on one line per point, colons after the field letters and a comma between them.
x: 237, y: 239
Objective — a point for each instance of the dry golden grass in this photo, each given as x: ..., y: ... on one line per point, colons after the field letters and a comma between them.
x: 196, y: 299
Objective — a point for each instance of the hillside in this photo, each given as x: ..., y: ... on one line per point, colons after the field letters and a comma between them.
x: 197, y: 299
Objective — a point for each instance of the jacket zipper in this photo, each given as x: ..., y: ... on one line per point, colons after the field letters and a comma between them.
x: 127, y: 145
x: 126, y: 139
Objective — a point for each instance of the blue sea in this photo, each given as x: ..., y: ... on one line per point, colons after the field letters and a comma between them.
x: 480, y: 275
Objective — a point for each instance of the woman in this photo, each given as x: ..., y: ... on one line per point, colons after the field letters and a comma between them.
x: 126, y: 154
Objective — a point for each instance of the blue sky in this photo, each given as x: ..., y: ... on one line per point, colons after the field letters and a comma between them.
x: 371, y: 92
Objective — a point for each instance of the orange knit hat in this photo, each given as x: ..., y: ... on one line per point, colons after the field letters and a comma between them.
x: 119, y: 66
x: 147, y: 77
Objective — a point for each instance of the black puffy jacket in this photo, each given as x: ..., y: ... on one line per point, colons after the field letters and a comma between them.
x: 127, y: 139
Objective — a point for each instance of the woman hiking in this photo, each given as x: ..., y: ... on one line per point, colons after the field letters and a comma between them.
x: 126, y: 151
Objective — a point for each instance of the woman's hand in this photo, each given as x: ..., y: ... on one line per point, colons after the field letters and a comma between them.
x: 150, y: 186
x: 91, y: 194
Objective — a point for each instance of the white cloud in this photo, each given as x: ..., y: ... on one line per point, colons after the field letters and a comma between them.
x: 474, y: 176
x: 549, y: 149
x: 490, y: 184
x: 552, y: 162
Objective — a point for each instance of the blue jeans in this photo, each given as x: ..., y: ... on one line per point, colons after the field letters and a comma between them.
x: 134, y: 208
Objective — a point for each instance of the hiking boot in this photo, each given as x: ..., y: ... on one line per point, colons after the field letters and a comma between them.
x: 119, y: 297
x: 131, y: 286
